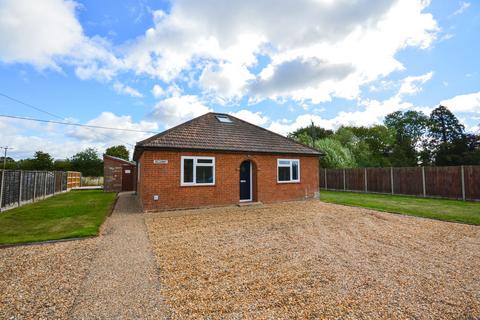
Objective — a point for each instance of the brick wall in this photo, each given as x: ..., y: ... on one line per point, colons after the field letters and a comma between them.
x: 164, y: 180
x: 112, y: 174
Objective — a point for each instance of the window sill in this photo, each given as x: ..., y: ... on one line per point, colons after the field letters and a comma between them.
x: 198, y: 185
x: 286, y: 182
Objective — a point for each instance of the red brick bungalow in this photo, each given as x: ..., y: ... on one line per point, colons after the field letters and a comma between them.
x: 217, y: 159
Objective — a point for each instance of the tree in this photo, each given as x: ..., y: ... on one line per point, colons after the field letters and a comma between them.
x: 62, y: 165
x: 335, y: 154
x: 410, y: 136
x: 42, y: 161
x: 119, y: 151
x: 307, y: 135
x: 10, y: 163
x: 448, y: 141
x: 370, y: 146
x: 445, y: 127
x: 88, y: 163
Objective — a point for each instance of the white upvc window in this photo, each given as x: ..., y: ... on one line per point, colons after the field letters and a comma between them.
x: 197, y: 171
x: 288, y: 170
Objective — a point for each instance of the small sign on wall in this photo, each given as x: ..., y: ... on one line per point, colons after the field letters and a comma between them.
x: 127, y: 171
x: 160, y: 161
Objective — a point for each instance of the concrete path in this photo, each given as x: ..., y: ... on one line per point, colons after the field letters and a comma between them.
x: 123, y: 281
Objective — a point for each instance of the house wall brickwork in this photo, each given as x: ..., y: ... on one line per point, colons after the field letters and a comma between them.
x: 163, y: 180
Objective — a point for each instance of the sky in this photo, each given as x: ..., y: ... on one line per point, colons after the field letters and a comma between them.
x: 150, y: 65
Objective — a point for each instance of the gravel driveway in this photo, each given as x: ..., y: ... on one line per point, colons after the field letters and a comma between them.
x: 113, y: 276
x: 315, y: 260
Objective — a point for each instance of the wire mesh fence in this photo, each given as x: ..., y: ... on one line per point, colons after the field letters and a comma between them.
x: 18, y: 187
x: 457, y: 182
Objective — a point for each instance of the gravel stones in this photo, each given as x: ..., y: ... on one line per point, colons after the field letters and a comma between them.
x: 42, y: 281
x: 315, y: 260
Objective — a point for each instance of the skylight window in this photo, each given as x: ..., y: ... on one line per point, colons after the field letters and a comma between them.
x: 224, y: 119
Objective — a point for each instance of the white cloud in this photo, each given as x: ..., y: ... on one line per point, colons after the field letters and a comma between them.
x: 226, y: 80
x: 121, y: 88
x: 64, y: 141
x: 463, y: 103
x: 177, y: 109
x: 35, y: 32
x: 369, y: 111
x: 314, y: 50
x: 463, y: 6
x: 256, y: 118
x: 412, y: 85
x: 111, y: 120
x: 157, y: 91
x: 338, y: 46
x: 47, y: 34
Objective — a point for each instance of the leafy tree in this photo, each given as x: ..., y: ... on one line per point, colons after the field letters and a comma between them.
x: 410, y: 133
x: 62, y: 165
x: 307, y: 135
x: 88, y: 163
x: 42, y: 161
x: 119, y: 151
x: 445, y: 127
x: 447, y: 136
x: 336, y: 155
x: 10, y: 163
x: 371, y: 146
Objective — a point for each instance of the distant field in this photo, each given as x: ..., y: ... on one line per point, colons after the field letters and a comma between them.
x: 446, y: 210
x: 69, y: 215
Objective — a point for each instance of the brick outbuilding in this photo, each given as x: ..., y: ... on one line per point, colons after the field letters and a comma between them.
x: 217, y: 159
x: 118, y: 174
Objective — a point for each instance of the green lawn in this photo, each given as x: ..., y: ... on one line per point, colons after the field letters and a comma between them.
x: 69, y: 215
x: 446, y: 210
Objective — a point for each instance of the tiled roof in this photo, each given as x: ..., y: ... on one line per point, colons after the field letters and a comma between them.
x: 208, y: 133
x: 118, y: 159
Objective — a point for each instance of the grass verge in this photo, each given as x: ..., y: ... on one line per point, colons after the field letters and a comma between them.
x: 440, y: 209
x: 70, y: 215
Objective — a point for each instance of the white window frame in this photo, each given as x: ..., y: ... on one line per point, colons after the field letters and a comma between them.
x: 195, y: 165
x: 291, y: 170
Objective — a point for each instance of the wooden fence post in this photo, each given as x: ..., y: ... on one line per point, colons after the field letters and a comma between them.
x: 423, y: 182
x: 34, y: 186
x: 325, y: 178
x: 20, y: 189
x: 344, y: 181
x: 54, y: 181
x: 1, y: 189
x: 45, y: 185
x: 463, y: 181
x: 391, y: 179
x: 366, y: 182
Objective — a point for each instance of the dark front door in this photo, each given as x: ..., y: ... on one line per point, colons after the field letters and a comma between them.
x: 127, y: 178
x: 245, y: 181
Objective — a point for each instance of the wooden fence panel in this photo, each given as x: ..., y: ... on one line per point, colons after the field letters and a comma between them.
x: 27, y: 185
x: 355, y: 179
x: 443, y: 182
x: 378, y: 180
x: 335, y: 179
x: 11, y: 190
x: 321, y: 177
x: 472, y: 182
x: 73, y: 179
x: 408, y: 181
x: 20, y: 187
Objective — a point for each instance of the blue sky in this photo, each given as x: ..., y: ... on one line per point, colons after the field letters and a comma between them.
x: 149, y: 65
